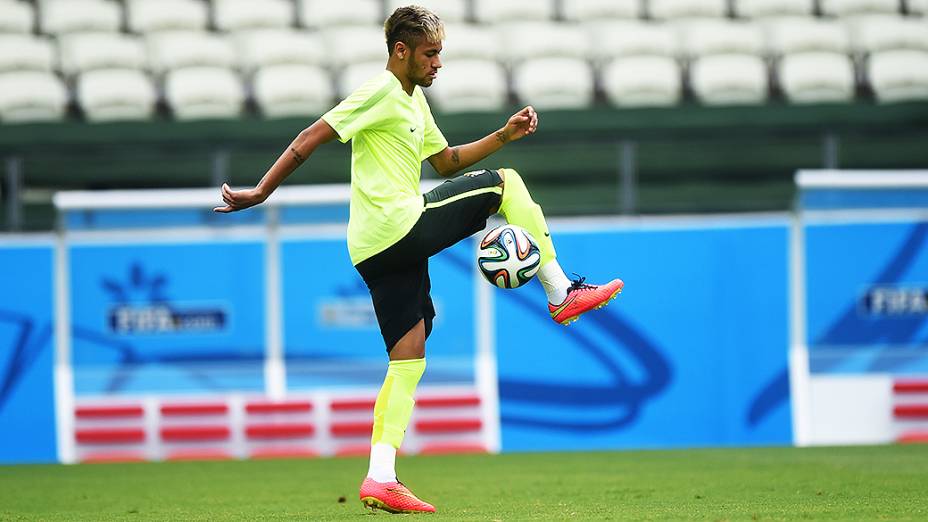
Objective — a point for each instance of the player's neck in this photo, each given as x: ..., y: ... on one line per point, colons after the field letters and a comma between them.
x: 398, y: 69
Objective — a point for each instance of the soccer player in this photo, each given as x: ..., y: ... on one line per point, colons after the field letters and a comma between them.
x: 393, y: 229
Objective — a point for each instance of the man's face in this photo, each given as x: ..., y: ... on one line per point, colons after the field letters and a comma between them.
x: 423, y: 67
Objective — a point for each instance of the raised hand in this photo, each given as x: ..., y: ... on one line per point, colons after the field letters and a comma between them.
x: 239, y: 199
x: 520, y: 125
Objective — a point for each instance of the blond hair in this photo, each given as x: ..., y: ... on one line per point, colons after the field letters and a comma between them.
x: 411, y: 25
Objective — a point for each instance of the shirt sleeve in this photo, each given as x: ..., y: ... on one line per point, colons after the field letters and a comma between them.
x: 359, y: 110
x: 435, y: 141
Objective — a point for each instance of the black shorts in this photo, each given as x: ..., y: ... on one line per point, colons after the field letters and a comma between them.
x: 398, y: 277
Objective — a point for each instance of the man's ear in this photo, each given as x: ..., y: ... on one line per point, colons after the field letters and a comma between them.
x: 400, y: 50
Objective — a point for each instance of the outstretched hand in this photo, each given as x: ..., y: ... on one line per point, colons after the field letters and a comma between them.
x: 239, y: 199
x: 521, y: 124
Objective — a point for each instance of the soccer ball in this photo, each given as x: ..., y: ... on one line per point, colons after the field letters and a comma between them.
x: 509, y: 256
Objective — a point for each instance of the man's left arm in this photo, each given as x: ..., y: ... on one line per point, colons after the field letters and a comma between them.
x: 453, y: 159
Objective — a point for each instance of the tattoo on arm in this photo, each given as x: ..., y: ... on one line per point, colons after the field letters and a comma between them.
x: 297, y: 156
x: 501, y: 137
x: 455, y: 156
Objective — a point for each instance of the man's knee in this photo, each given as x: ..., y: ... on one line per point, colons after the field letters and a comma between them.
x: 411, y: 345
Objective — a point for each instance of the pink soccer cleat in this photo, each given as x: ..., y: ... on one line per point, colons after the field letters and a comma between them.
x: 582, y: 298
x: 393, y: 497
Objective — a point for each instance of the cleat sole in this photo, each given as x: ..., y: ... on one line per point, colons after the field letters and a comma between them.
x: 373, y: 504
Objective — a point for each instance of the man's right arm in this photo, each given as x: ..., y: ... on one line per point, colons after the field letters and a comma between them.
x: 296, y: 154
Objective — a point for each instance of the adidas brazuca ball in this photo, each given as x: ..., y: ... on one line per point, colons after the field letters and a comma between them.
x: 509, y: 256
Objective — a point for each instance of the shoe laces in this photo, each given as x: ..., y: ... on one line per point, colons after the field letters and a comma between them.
x: 579, y: 284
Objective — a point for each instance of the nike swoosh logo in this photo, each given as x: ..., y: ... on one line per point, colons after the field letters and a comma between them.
x: 403, y: 493
x: 412, y: 129
x: 561, y: 308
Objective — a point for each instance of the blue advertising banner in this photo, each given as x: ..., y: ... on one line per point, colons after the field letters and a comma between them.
x: 692, y: 353
x: 27, y: 407
x: 867, y: 297
x: 187, y: 317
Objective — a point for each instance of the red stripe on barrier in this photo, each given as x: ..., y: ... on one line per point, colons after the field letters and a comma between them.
x: 352, y: 404
x: 448, y: 425
x: 913, y: 437
x: 911, y: 411
x: 115, y: 456
x: 351, y: 429
x: 199, y: 454
x: 279, y: 431
x: 451, y: 447
x: 919, y: 386
x: 194, y: 409
x: 279, y: 407
x: 188, y: 433
x: 447, y: 402
x: 108, y: 412
x: 110, y: 436
x: 283, y: 453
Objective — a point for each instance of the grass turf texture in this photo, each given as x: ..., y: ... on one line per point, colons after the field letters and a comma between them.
x: 865, y: 483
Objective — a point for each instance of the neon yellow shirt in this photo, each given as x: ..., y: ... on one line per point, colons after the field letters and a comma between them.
x: 391, y: 134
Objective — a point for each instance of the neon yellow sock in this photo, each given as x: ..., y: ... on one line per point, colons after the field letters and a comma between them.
x: 520, y: 209
x: 395, y: 401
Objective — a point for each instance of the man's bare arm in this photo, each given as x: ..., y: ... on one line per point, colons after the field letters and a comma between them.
x: 296, y: 154
x: 453, y: 159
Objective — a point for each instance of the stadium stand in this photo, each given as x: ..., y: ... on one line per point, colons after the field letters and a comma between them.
x: 147, y: 16
x: 554, y: 83
x: 773, y: 9
x: 238, y: 15
x: 899, y: 75
x: 470, y: 41
x: 591, y: 10
x: 471, y: 84
x: 16, y: 17
x: 31, y: 96
x: 450, y: 11
x: 494, y: 11
x: 347, y: 46
x: 292, y: 90
x: 356, y: 74
x: 24, y: 52
x: 116, y: 94
x: 60, y: 17
x: 278, y: 47
x: 320, y: 14
x: 204, y: 92
x: 172, y: 50
x: 687, y: 10
x: 81, y: 52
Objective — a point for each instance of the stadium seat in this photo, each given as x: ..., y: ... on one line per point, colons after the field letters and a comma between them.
x: 178, y: 49
x: 147, y: 16
x: 204, y: 93
x: 816, y: 77
x: 292, y: 90
x: 354, y: 75
x: 720, y: 37
x: 323, y: 14
x: 495, y: 11
x: 525, y: 40
x: 16, y: 17
x: 616, y: 39
x: 116, y: 94
x: 469, y: 85
x: 470, y: 41
x: 729, y: 79
x: 450, y: 11
x: 554, y: 83
x: 351, y: 45
x: 237, y: 15
x: 598, y: 10
x: 899, y: 75
x: 796, y: 36
x: 25, y: 52
x: 687, y: 9
x: 73, y: 16
x: 81, y: 52
x: 916, y: 7
x: 885, y: 34
x: 773, y: 8
x: 278, y: 47
x: 31, y: 96
x: 843, y: 8
x: 639, y: 81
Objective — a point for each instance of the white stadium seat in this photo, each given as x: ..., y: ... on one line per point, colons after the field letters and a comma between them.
x: 292, y: 90
x: 524, y: 40
x: 469, y: 85
x: 116, y: 94
x: 916, y: 7
x: 816, y: 77
x: 729, y: 79
x: 450, y: 11
x: 683, y: 9
x: 82, y: 52
x: 554, y: 83
x: 74, y: 16
x: 16, y: 17
x: 617, y: 39
x: 470, y: 41
x: 178, y: 49
x: 773, y: 8
x: 354, y: 75
x: 886, y: 34
x: 720, y: 37
x: 496, y: 11
x: 590, y: 10
x: 25, y: 52
x: 278, y: 47
x: 642, y: 81
x: 807, y: 36
x: 900, y: 75
x: 324, y: 14
x: 351, y: 45
x: 236, y: 15
x: 31, y: 96
x: 204, y: 93
x: 147, y: 16
x: 858, y: 7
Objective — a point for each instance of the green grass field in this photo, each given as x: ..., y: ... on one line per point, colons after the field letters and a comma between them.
x: 869, y: 483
